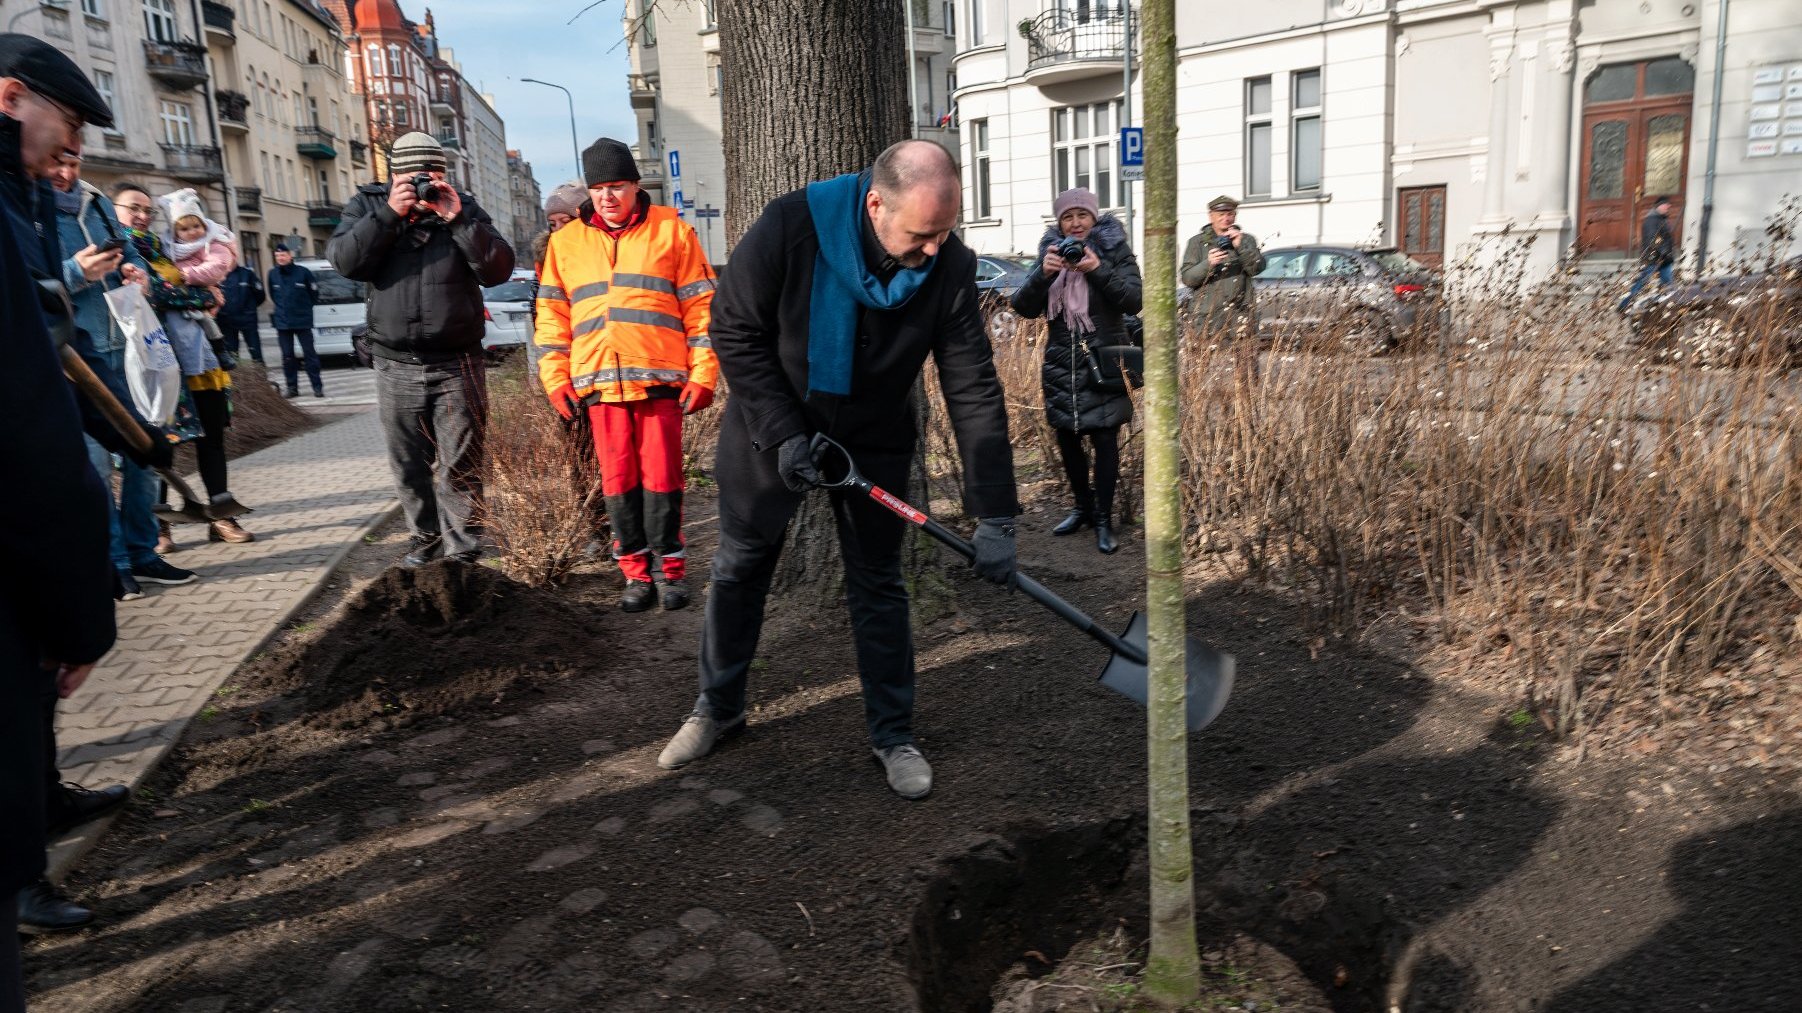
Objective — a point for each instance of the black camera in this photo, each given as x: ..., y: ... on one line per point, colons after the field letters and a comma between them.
x: 1071, y: 249
x: 426, y: 187
x: 1223, y: 242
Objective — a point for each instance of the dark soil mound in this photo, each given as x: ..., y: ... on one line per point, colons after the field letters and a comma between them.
x: 420, y: 642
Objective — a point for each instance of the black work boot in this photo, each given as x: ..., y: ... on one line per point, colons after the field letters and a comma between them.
x: 422, y: 549
x: 42, y: 908
x: 1081, y: 516
x: 638, y: 596
x: 672, y: 595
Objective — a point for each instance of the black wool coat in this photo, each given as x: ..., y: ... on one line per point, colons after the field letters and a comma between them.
x: 759, y: 330
x: 1073, y: 401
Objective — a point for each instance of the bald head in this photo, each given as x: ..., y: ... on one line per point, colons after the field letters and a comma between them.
x: 914, y: 199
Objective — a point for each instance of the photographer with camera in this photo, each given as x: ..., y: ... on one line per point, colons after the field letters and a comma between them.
x: 1219, y: 263
x: 426, y: 251
x: 1088, y: 283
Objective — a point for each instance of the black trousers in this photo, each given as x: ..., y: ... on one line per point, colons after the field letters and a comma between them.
x: 233, y: 333
x: 1107, y: 467
x: 214, y: 409
x: 12, y: 976
x: 287, y: 337
x: 755, y: 508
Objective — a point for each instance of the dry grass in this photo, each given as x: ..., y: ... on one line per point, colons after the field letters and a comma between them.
x: 1619, y: 525
x: 539, y: 483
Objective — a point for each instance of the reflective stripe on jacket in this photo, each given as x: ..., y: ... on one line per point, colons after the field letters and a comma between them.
x: 617, y: 318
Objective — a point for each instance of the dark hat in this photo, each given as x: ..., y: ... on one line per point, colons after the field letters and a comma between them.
x: 46, y: 70
x: 608, y: 161
x: 281, y: 247
x: 1223, y: 203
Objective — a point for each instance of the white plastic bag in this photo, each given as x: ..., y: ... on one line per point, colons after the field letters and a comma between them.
x: 151, y: 371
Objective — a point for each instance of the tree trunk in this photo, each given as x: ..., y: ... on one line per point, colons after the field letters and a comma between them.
x: 1172, y: 973
x: 812, y: 89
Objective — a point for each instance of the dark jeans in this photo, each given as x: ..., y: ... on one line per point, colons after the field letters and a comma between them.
x: 755, y: 508
x: 291, y: 362
x: 1666, y: 274
x: 214, y: 409
x: 253, y: 342
x: 1107, y: 467
x: 433, y: 416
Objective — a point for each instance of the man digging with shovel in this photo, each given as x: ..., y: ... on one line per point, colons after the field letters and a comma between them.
x: 822, y: 324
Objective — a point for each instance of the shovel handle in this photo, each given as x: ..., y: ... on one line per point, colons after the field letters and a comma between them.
x: 1033, y: 589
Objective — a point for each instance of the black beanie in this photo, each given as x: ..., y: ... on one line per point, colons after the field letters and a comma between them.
x: 608, y: 161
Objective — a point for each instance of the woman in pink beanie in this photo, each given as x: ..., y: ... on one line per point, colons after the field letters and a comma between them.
x: 1087, y: 299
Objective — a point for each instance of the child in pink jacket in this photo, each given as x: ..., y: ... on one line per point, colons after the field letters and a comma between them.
x: 205, y: 251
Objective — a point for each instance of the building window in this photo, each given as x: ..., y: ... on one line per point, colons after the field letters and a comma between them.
x: 103, y: 83
x: 394, y: 61
x: 1082, y: 149
x: 263, y: 160
x: 375, y: 62
x: 93, y: 9
x: 979, y: 168
x: 1257, y: 137
x: 708, y: 18
x: 159, y: 20
x: 647, y: 29
x: 950, y: 19
x: 1304, y: 131
x: 178, y: 123
x: 976, y: 23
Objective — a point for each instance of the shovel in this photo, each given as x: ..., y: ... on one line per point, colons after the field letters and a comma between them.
x: 101, y: 398
x: 1208, y: 674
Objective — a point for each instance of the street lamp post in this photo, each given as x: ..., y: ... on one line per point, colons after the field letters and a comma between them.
x: 13, y: 22
x: 575, y: 146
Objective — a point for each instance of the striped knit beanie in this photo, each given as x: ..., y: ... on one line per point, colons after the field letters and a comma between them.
x: 415, y: 152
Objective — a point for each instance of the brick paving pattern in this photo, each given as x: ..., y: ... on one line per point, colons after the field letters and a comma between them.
x: 314, y: 496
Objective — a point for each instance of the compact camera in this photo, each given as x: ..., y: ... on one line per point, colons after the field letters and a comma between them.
x: 1071, y: 249
x: 426, y: 187
x: 1223, y: 243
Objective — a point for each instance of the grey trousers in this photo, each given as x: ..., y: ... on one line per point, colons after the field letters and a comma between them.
x: 434, y: 416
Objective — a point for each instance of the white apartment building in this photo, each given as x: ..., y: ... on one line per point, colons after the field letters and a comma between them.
x: 1444, y: 127
x: 485, y: 151
x: 675, y: 80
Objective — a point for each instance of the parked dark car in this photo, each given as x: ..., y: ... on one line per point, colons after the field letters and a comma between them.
x: 1369, y: 300
x: 997, y: 279
x: 1726, y: 320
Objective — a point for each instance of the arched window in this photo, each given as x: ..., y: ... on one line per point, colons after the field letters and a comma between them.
x: 394, y: 61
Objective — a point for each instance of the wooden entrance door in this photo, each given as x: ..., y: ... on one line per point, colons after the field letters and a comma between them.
x: 1635, y: 149
x: 1421, y: 234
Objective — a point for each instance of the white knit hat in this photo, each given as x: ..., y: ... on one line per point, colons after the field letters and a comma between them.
x: 181, y: 204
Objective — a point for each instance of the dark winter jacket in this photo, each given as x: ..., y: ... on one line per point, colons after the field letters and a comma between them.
x: 243, y: 294
x: 1657, y: 243
x: 57, y: 603
x: 759, y: 327
x: 425, y: 276
x: 292, y: 292
x: 1073, y: 400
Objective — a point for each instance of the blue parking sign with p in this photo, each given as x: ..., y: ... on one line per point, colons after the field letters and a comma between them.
x: 1132, y: 146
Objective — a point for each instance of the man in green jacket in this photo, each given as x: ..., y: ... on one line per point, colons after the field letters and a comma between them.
x: 1219, y: 264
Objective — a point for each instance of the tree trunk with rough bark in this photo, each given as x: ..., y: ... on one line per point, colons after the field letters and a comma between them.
x: 812, y: 89
x: 1172, y: 972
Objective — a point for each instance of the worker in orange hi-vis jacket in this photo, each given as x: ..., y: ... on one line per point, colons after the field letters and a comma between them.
x: 624, y: 300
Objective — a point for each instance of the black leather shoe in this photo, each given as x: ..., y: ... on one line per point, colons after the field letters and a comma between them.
x: 1079, y: 518
x: 1104, y: 538
x: 43, y: 909
x: 424, y: 549
x: 71, y: 805
x: 638, y: 596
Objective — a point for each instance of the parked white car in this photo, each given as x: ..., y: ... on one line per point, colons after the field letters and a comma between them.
x: 508, y: 308
x: 340, y: 308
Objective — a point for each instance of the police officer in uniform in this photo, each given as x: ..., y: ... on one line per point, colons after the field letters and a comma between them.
x: 1219, y: 263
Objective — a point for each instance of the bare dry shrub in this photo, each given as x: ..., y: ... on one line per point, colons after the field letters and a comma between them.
x: 540, y: 484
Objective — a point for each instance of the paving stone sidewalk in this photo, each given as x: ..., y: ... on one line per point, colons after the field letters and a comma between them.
x: 314, y: 496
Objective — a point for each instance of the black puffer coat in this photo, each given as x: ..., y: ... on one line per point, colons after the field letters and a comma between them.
x: 1072, y: 399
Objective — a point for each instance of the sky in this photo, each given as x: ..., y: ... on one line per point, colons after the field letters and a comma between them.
x: 497, y: 42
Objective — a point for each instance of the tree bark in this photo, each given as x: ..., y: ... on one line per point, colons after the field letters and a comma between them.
x: 812, y: 89
x: 1172, y: 972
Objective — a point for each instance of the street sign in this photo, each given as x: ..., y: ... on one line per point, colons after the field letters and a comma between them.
x: 680, y: 203
x: 1132, y: 154
x: 707, y: 213
x: 675, y: 165
x: 686, y: 203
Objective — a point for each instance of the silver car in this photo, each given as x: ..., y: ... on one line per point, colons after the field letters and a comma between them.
x: 507, y: 309
x: 342, y: 307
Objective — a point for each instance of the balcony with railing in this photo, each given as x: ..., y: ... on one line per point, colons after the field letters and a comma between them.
x: 315, y: 142
x: 1066, y: 45
x: 220, y: 20
x: 234, y: 110
x: 197, y: 163
x: 650, y: 171
x: 359, y: 153
x: 324, y: 214
x: 450, y: 142
x: 644, y: 90
x: 250, y: 201
x: 177, y: 65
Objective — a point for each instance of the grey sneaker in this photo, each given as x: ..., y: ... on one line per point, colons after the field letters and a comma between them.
x: 696, y: 738
x: 908, y: 772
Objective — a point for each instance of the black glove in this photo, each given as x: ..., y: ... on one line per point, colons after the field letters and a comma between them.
x: 794, y: 462
x: 995, y: 557
x: 161, y: 453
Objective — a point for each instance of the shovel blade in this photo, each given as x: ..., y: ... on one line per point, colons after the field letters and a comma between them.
x: 1207, y: 679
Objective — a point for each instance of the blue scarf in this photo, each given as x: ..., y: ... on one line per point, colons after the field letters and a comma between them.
x: 842, y: 281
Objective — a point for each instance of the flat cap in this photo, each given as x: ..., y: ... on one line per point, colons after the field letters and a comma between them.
x: 1223, y: 203
x: 48, y: 71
